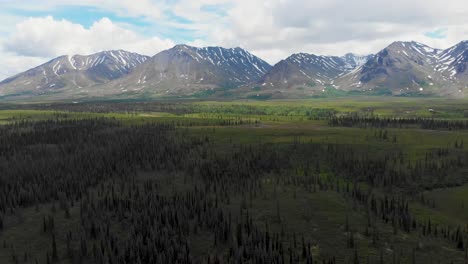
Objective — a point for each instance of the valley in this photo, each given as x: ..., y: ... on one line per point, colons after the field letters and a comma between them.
x: 233, y: 132
x: 382, y: 179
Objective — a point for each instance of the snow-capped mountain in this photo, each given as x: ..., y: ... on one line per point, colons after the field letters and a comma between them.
x: 308, y: 71
x: 242, y: 65
x: 73, y: 73
x: 404, y: 68
x: 353, y: 61
x: 413, y: 68
x: 185, y: 70
x: 453, y: 63
x: 107, y: 65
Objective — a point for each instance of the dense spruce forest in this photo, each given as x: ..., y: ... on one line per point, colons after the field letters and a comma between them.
x: 379, y: 122
x: 226, y: 183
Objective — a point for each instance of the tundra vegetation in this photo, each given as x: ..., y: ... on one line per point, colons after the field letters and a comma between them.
x: 338, y: 180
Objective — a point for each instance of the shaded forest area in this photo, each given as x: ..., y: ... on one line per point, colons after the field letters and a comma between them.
x: 393, y: 122
x: 96, y: 190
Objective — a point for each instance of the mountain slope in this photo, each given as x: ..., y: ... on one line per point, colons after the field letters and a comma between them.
x: 402, y: 68
x: 304, y: 69
x: 411, y: 68
x: 453, y: 64
x: 187, y: 70
x: 72, y: 74
x: 305, y: 74
x: 353, y: 61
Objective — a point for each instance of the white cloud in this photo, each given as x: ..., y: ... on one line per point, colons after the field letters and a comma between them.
x: 271, y: 29
x: 277, y: 28
x: 37, y: 40
x: 13, y: 64
x: 274, y: 29
x: 47, y: 37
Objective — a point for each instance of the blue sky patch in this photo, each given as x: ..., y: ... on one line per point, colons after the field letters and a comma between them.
x: 439, y: 33
x: 87, y: 16
x: 177, y: 19
x: 178, y: 35
x: 220, y: 10
x: 84, y: 15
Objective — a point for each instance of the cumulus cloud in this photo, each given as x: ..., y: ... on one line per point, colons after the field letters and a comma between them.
x: 277, y: 28
x: 271, y: 29
x: 13, y: 64
x: 36, y: 40
x: 47, y: 37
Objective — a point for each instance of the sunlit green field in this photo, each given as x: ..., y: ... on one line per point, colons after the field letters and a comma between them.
x: 287, y: 120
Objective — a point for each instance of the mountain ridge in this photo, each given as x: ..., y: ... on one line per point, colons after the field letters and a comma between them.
x: 304, y: 74
x: 73, y: 72
x: 401, y: 68
x: 186, y: 69
x: 411, y: 68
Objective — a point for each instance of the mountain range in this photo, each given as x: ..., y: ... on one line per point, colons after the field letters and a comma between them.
x: 186, y: 70
x: 412, y: 68
x: 72, y: 75
x: 401, y: 69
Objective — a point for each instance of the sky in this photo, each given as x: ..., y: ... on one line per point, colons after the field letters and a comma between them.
x: 33, y: 32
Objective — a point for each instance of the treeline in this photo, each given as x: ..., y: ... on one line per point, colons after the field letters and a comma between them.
x: 388, y: 122
x: 185, y: 108
x: 441, y: 167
